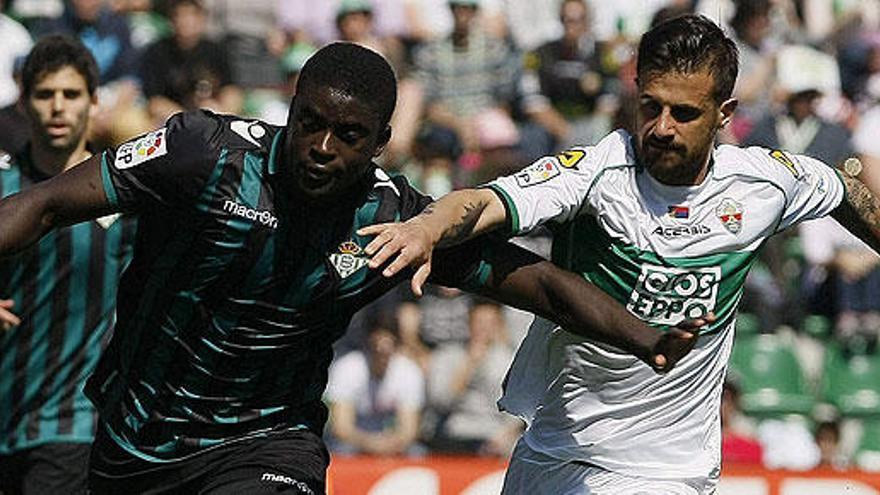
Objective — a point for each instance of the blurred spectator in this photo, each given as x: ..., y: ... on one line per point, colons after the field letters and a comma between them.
x: 102, y: 31
x: 626, y: 18
x: 273, y: 108
x: 852, y: 269
x: 828, y: 440
x: 464, y: 383
x: 16, y: 45
x: 14, y: 129
x: 805, y: 75
x: 788, y: 444
x: 751, y: 26
x: 738, y: 442
x: 435, y: 151
x: 670, y: 12
x: 444, y: 315
x: 107, y: 36
x: 563, y: 82
x: 355, y: 22
x: 468, y: 80
x: 146, y: 20
x: 532, y: 22
x: 409, y: 321
x: 251, y: 38
x: 307, y: 21
x: 187, y: 71
x: 316, y: 22
x: 375, y: 398
x: 37, y: 9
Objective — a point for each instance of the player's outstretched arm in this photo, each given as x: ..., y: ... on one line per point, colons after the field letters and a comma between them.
x: 522, y: 279
x: 67, y: 198
x: 454, y: 218
x: 860, y: 210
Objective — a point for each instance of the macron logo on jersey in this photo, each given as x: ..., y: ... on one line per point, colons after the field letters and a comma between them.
x: 287, y: 480
x: 263, y: 217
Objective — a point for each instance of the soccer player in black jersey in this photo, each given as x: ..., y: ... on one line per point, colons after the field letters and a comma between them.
x: 248, y: 266
x: 57, y: 298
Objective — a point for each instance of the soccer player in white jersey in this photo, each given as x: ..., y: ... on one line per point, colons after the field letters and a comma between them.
x: 668, y: 224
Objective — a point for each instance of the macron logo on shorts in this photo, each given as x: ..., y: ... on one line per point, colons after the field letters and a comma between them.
x: 287, y: 480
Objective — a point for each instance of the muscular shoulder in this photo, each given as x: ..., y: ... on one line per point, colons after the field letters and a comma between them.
x: 762, y: 164
x: 390, y: 199
x: 210, y: 130
x: 614, y: 150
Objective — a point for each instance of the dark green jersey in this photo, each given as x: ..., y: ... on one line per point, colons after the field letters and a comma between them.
x: 65, y: 293
x: 236, y: 290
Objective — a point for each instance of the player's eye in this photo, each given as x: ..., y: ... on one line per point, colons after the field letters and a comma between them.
x: 310, y: 124
x: 350, y: 134
x: 72, y: 94
x: 42, y: 94
x: 685, y: 113
x: 650, y: 109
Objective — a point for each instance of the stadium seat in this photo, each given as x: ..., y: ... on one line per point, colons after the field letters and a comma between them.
x: 747, y: 325
x: 852, y: 383
x: 868, y: 453
x: 817, y: 326
x: 770, y: 377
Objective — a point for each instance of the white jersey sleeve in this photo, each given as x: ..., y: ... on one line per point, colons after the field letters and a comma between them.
x: 812, y: 188
x: 554, y: 188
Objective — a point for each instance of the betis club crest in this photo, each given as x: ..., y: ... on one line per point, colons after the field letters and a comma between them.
x: 730, y: 213
x: 348, y: 259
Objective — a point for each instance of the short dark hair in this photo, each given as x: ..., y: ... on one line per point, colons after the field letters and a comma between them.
x: 54, y: 52
x: 357, y: 71
x: 689, y: 44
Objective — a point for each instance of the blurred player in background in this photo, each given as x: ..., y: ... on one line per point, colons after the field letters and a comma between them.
x: 664, y: 222
x: 57, y: 298
x: 247, y: 267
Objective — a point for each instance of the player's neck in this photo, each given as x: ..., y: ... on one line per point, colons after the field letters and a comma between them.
x: 53, y: 161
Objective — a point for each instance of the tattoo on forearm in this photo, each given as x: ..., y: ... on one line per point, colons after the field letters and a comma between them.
x: 460, y: 230
x: 860, y: 213
x: 865, y: 204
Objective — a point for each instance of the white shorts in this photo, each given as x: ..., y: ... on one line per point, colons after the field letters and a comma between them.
x: 531, y: 473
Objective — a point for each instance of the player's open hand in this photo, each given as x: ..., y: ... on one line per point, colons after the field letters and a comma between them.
x: 409, y: 243
x: 677, y: 342
x: 8, y: 319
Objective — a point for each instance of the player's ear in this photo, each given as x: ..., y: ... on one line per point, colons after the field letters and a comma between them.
x: 726, y: 110
x: 382, y: 141
x: 93, y: 105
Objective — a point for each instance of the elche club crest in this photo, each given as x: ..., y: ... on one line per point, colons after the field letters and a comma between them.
x: 730, y: 213
x: 348, y: 260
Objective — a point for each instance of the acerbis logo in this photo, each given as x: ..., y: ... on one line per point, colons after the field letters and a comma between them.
x: 264, y: 217
x: 681, y: 231
x: 287, y: 480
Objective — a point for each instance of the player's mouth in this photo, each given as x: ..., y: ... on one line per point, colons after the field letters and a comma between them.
x: 57, y: 129
x: 315, y: 176
x: 664, y: 147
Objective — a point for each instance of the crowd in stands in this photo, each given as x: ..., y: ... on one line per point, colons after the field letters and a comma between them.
x: 486, y: 87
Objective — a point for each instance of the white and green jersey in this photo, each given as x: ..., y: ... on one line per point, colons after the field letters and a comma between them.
x: 667, y: 253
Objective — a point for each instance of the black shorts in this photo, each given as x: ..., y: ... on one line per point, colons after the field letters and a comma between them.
x: 292, y: 462
x: 50, y: 469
